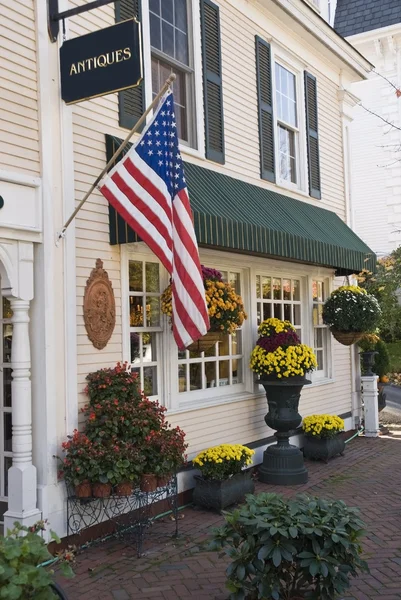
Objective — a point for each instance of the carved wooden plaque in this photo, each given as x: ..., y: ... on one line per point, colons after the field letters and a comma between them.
x: 99, y: 307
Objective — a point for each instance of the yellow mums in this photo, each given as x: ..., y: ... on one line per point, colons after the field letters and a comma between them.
x: 223, y: 461
x: 350, y: 288
x: 322, y: 426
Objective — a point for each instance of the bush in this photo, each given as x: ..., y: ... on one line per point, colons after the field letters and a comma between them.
x: 291, y: 548
x: 351, y: 308
x: 382, y: 359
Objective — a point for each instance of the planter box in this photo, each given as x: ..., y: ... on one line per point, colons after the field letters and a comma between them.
x: 323, y: 448
x: 220, y: 494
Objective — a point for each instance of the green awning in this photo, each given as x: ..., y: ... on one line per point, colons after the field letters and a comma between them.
x: 230, y: 214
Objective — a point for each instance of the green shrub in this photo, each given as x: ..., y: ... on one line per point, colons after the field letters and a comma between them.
x: 382, y: 359
x: 22, y: 551
x: 290, y: 548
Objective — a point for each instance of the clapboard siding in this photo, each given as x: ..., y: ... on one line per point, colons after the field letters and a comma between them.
x: 237, y: 421
x: 19, y: 122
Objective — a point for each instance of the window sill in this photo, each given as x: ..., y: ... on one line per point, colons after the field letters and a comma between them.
x: 292, y: 188
x: 215, y: 401
x: 320, y: 382
x: 187, y: 150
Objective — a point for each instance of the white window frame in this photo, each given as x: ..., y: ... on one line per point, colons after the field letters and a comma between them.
x: 195, y: 51
x: 287, y: 61
x: 327, y: 373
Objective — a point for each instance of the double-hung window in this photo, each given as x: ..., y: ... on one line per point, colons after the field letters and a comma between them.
x: 171, y: 51
x: 287, y: 124
x: 321, y: 336
x: 279, y: 297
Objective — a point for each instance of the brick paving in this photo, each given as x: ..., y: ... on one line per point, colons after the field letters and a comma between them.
x: 368, y: 476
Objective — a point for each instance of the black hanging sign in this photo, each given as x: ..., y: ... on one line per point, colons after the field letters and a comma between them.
x: 99, y: 63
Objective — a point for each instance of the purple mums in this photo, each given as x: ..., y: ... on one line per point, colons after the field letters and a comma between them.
x: 284, y: 339
x: 213, y: 274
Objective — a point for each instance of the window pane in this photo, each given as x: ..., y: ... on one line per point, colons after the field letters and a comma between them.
x: 182, y: 379
x: 319, y: 357
x: 277, y: 311
x: 236, y: 371
x: 149, y: 345
x: 224, y: 372
x: 167, y: 10
x: 236, y: 342
x: 287, y: 289
x: 267, y: 311
x: 153, y: 311
x: 277, y: 289
x: 297, y: 314
x: 168, y: 39
x: 224, y: 346
x: 181, y: 20
x: 296, y: 292
x: 195, y: 376
x: 150, y: 381
x: 7, y: 387
x: 135, y: 276
x: 286, y: 96
x: 314, y: 290
x: 7, y: 342
x: 318, y: 338
x: 7, y: 312
x: 8, y: 463
x: 287, y: 312
x: 136, y: 311
x: 258, y: 290
x: 181, y: 47
x: 7, y: 432
x: 154, y: 6
x: 135, y: 345
x: 266, y: 287
x: 287, y: 154
x: 155, y: 33
x: 152, y: 277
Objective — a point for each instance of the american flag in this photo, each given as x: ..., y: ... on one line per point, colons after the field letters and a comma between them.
x: 147, y: 188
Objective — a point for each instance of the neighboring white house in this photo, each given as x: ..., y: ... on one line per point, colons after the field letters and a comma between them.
x: 374, y: 28
x: 264, y: 123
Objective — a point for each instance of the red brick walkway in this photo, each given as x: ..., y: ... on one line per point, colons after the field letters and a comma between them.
x: 368, y: 476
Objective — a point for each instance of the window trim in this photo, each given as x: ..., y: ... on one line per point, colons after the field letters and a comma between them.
x: 195, y: 53
x: 281, y: 57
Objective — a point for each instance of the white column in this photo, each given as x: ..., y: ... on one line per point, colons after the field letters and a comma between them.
x: 22, y: 499
x: 371, y: 405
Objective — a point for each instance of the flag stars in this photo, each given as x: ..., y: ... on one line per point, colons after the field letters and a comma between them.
x: 150, y: 152
x: 160, y: 163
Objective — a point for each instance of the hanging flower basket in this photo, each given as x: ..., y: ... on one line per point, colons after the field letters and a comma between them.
x: 224, y: 305
x: 351, y: 312
x: 346, y: 338
x: 206, y: 342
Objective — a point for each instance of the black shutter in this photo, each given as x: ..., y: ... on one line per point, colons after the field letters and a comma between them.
x: 132, y: 101
x: 265, y: 109
x: 312, y: 136
x: 212, y: 81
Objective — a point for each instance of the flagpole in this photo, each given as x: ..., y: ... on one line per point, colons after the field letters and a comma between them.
x: 117, y: 153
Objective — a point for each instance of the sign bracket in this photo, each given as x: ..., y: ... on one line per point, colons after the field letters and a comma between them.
x: 54, y: 16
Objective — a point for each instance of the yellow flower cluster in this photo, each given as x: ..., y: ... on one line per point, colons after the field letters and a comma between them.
x: 293, y: 360
x: 273, y: 325
x: 223, y: 453
x: 355, y: 289
x: 225, y: 306
x: 322, y: 425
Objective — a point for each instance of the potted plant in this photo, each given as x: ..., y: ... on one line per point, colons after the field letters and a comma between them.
x: 77, y: 465
x: 322, y: 438
x: 291, y: 548
x: 127, y: 467
x: 222, y: 481
x: 281, y: 362
x: 367, y: 345
x: 350, y: 312
x: 167, y: 450
x: 22, y: 552
x: 225, y: 308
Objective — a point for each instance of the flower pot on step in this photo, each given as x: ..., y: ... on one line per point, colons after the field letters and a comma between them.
x: 148, y: 482
x: 124, y: 488
x: 323, y: 448
x: 218, y: 495
x: 83, y: 490
x: 101, y: 490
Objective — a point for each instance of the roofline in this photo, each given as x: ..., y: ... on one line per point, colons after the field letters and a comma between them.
x: 303, y: 12
x: 373, y: 34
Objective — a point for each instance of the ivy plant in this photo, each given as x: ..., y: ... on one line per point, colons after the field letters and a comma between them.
x: 284, y: 549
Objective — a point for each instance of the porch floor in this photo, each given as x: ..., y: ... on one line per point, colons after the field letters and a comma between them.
x: 368, y: 476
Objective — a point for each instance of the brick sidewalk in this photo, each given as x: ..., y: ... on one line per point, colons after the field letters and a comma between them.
x: 368, y: 476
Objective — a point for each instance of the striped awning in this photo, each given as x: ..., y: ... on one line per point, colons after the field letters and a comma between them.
x: 231, y: 214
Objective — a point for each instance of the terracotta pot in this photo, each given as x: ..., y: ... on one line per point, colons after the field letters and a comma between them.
x: 148, y: 482
x: 101, y: 490
x: 163, y: 480
x: 346, y: 338
x: 124, y: 488
x: 205, y: 342
x: 83, y: 490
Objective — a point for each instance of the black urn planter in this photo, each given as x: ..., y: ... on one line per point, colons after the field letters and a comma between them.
x: 217, y: 495
x: 283, y: 463
x: 323, y: 448
x: 368, y: 361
